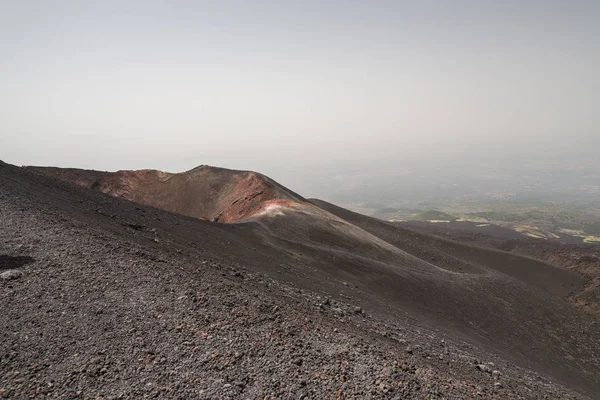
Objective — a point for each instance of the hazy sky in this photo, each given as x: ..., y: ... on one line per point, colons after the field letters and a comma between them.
x: 282, y: 85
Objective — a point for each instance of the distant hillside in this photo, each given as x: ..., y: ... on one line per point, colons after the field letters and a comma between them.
x: 433, y: 215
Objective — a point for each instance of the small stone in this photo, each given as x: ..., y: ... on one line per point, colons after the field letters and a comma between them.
x: 11, y: 274
x: 339, y: 312
x: 484, y: 368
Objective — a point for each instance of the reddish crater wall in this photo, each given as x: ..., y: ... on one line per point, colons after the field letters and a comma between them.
x: 208, y: 193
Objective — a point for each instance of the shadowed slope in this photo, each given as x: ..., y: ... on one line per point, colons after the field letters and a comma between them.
x: 459, y: 256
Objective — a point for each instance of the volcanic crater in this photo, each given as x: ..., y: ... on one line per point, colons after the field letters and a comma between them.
x: 205, y: 192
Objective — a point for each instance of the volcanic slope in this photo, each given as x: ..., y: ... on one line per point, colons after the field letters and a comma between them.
x: 501, y: 303
x: 511, y: 304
